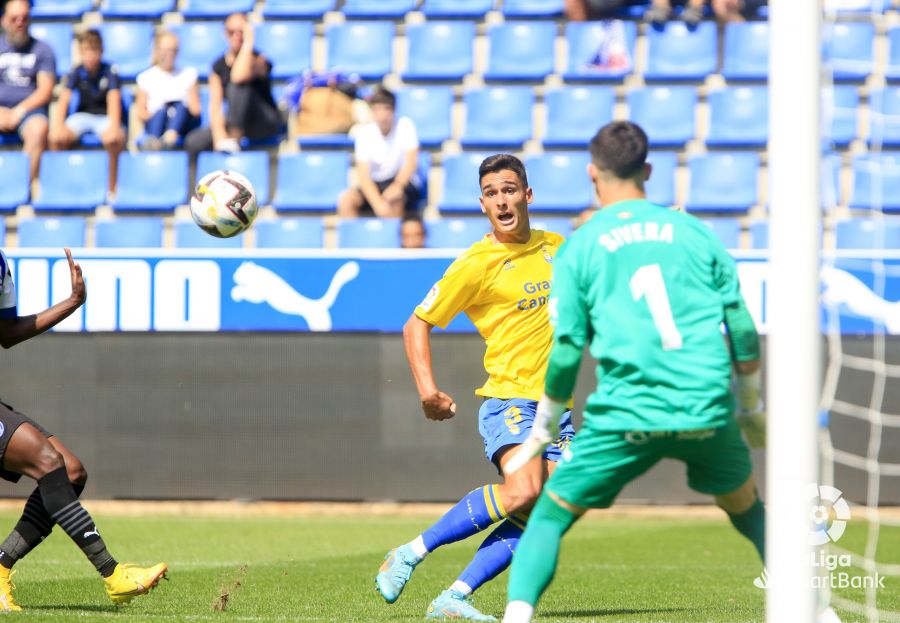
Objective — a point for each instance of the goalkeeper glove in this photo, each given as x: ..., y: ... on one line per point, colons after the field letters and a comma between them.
x: 751, y: 416
x: 546, y: 418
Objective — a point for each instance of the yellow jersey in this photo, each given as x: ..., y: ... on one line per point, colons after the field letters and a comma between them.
x: 503, y: 288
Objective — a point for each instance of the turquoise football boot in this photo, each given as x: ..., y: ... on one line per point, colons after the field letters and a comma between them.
x: 395, y: 572
x: 452, y: 604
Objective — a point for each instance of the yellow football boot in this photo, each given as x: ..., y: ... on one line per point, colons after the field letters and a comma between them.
x: 129, y: 581
x: 6, y: 588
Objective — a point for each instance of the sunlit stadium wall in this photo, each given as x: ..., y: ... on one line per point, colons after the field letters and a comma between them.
x: 287, y: 416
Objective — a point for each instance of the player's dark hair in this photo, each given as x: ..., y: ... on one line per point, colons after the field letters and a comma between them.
x: 621, y: 148
x: 503, y: 162
x: 383, y: 96
x: 91, y: 38
x: 410, y: 217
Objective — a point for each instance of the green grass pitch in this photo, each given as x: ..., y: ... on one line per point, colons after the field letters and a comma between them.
x: 322, y: 568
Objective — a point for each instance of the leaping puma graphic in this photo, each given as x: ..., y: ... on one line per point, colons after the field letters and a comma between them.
x: 257, y: 284
x: 843, y: 289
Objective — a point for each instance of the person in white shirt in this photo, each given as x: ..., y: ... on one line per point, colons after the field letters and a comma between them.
x: 167, y: 98
x: 386, y: 151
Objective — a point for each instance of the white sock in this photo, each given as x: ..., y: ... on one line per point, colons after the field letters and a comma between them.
x: 418, y: 547
x: 461, y: 587
x: 518, y: 612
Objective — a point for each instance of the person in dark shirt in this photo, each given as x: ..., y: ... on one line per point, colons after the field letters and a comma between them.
x: 242, y: 78
x: 27, y: 76
x: 96, y: 85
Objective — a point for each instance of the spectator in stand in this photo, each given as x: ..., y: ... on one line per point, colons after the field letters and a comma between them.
x: 27, y: 76
x: 322, y: 102
x: 243, y: 78
x: 386, y: 150
x: 412, y: 232
x: 167, y: 98
x: 724, y: 10
x: 583, y: 10
x: 96, y: 84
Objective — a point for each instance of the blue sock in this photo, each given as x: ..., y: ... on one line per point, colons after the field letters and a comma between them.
x: 472, y: 514
x: 494, y: 554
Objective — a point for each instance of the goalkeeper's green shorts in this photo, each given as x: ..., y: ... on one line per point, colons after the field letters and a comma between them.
x: 599, y: 464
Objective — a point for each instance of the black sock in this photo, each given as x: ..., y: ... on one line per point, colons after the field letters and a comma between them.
x: 61, y: 503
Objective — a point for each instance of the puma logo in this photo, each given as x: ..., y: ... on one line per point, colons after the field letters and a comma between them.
x: 257, y: 284
x: 94, y: 532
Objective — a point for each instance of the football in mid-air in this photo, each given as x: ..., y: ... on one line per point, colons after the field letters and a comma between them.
x: 224, y: 203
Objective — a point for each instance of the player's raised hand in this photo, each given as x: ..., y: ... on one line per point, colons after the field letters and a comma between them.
x: 79, y: 291
x: 438, y: 406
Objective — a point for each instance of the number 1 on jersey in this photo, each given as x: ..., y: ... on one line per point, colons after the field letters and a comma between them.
x: 647, y: 282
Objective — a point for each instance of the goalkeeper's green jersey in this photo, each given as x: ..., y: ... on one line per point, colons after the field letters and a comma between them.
x: 647, y: 288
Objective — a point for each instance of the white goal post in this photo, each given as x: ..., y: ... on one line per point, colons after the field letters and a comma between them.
x: 794, y: 335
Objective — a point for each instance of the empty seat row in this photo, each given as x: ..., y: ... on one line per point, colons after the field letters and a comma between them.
x: 443, y: 49
x: 296, y: 232
x: 446, y: 233
x: 297, y: 8
x: 312, y: 181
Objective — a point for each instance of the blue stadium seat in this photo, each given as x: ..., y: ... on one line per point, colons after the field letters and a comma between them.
x: 876, y: 182
x: 131, y: 231
x: 868, y: 233
x: 14, y: 186
x: 884, y: 117
x: 844, y: 102
x: 521, y: 50
x: 574, y: 114
x: 557, y: 224
x: 584, y: 40
x: 189, y: 236
x: 151, y: 9
x: 430, y: 109
x: 560, y: 181
x: 660, y: 187
x: 455, y: 233
x: 254, y: 165
x: 58, y: 35
x: 439, y: 50
x: 728, y: 230
x: 739, y: 117
x: 73, y: 180
x: 152, y: 181
x: 857, y: 7
x: 830, y: 180
x: 498, y: 116
x: 456, y: 8
x: 666, y: 113
x: 892, y: 68
x: 310, y: 180
x: 305, y: 9
x: 289, y: 233
x: 67, y: 231
x: 759, y: 235
x: 532, y: 8
x: 392, y: 9
x: 128, y: 45
x: 361, y: 47
x: 200, y: 45
x: 848, y: 50
x: 287, y: 45
x: 461, y: 189
x: 679, y: 52
x: 746, y: 51
x: 722, y: 182
x: 369, y: 233
x: 215, y: 8
x: 55, y: 9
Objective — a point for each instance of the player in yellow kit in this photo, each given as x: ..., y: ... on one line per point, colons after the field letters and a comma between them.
x: 502, y: 283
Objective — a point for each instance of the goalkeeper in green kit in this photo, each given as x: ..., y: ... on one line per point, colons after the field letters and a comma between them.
x: 648, y: 289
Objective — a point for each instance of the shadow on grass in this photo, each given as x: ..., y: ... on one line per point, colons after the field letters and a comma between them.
x: 578, y: 614
x: 74, y: 607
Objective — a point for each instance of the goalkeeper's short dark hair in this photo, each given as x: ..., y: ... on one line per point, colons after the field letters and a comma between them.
x: 503, y: 162
x: 621, y: 148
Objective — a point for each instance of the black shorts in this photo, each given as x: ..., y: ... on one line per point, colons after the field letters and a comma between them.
x: 410, y: 200
x: 10, y: 421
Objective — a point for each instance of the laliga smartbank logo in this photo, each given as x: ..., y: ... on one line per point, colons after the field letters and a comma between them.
x: 828, y: 514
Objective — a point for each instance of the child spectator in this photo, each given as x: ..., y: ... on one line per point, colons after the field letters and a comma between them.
x: 387, y: 151
x: 412, y: 232
x: 96, y: 85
